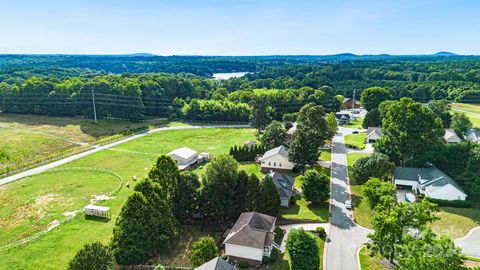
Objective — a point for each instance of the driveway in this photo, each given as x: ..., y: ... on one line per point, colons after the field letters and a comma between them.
x: 60, y: 162
x: 470, y: 243
x: 345, y: 236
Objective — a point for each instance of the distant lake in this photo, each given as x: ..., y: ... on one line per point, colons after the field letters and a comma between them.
x: 228, y: 75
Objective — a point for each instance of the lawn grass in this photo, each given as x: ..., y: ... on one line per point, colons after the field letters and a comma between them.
x: 26, y: 139
x: 456, y: 222
x: 56, y: 248
x: 368, y: 262
x: 283, y: 261
x: 356, y: 141
x: 306, y: 210
x: 357, y: 123
x: 473, y: 108
x: 362, y: 213
x: 326, y: 155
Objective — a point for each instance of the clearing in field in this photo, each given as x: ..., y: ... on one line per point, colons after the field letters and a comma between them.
x: 56, y: 248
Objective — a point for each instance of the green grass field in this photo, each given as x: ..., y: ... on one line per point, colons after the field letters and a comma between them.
x: 362, y: 213
x: 472, y: 110
x: 27, y: 139
x: 456, y: 222
x: 368, y: 262
x: 356, y: 140
x: 57, y: 247
x: 357, y: 123
x: 326, y: 155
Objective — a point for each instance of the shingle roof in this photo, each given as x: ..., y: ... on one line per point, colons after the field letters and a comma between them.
x: 281, y: 150
x: 252, y: 229
x: 373, y: 130
x: 450, y: 135
x: 431, y: 178
x: 284, y: 184
x: 473, y: 131
x: 216, y: 263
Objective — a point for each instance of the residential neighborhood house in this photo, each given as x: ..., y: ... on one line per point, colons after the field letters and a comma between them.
x: 473, y: 135
x: 276, y: 159
x: 291, y: 131
x: 344, y: 118
x: 431, y: 182
x: 373, y: 134
x: 450, y: 136
x: 349, y: 103
x: 251, y: 238
x: 285, y: 186
x: 187, y: 158
x: 216, y: 263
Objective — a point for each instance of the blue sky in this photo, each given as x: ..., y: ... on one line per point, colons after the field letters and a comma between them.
x: 239, y: 27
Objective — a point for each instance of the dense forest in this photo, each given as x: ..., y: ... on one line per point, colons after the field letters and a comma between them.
x: 140, y: 86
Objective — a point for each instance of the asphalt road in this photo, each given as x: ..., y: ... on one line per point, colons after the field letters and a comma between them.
x: 60, y: 162
x: 470, y: 243
x: 345, y: 236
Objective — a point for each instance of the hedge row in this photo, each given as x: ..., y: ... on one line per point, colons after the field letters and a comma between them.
x: 454, y: 203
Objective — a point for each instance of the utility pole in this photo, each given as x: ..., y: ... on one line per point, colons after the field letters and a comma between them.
x: 94, y: 109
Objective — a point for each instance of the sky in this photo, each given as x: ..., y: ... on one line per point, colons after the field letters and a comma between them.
x: 239, y: 27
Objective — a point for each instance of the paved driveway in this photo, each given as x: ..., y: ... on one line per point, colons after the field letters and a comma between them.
x: 345, y: 236
x: 470, y: 244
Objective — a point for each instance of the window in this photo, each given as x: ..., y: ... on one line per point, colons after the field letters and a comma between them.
x: 274, y: 164
x: 269, y: 164
x: 263, y: 162
x: 280, y: 164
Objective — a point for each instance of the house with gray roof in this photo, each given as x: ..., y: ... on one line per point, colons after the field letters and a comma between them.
x: 473, y: 135
x: 430, y: 181
x: 216, y: 263
x: 451, y: 136
x: 276, y: 159
x: 285, y: 186
x: 373, y: 134
x: 251, y: 238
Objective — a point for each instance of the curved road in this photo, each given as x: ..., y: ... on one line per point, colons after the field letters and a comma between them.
x: 345, y: 236
x: 60, y: 162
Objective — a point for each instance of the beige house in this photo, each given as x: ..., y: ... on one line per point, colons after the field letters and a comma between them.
x: 251, y: 238
x: 373, y: 134
x: 276, y: 159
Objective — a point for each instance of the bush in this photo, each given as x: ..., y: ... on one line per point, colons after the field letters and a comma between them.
x: 203, y: 251
x: 159, y: 267
x: 274, y: 255
x: 303, y: 250
x: 242, y: 264
x: 321, y: 232
x: 93, y: 256
x: 278, y: 235
x: 376, y: 165
x: 315, y: 186
x: 455, y: 203
x: 245, y: 153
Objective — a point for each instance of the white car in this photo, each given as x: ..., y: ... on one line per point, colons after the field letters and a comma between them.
x: 348, y: 204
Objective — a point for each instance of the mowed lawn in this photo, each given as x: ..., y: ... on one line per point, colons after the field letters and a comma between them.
x: 356, y: 140
x: 472, y: 110
x: 56, y: 248
x: 357, y: 123
x: 29, y: 138
x: 362, y: 212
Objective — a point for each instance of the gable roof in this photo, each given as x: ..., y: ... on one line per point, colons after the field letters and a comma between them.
x: 292, y: 130
x: 183, y: 153
x: 252, y: 229
x: 343, y: 116
x: 281, y: 150
x: 216, y: 263
x: 374, y: 131
x: 431, y: 178
x: 284, y: 184
x: 473, y: 131
x: 451, y: 136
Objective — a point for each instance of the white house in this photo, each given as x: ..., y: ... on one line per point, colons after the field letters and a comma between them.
x: 186, y: 158
x: 251, y: 238
x: 450, y: 136
x: 285, y: 186
x: 473, y: 135
x: 216, y: 263
x: 276, y: 159
x: 373, y: 134
x: 431, y: 182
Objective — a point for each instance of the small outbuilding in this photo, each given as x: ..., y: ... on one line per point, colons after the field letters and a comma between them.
x: 97, y: 211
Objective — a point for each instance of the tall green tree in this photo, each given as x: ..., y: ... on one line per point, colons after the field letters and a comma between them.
x: 274, y: 135
x: 315, y: 186
x: 94, y: 256
x: 268, y: 198
x: 375, y: 188
x: 372, y: 119
x: 461, y: 123
x: 253, y: 186
x: 332, y: 122
x: 219, y: 183
x: 185, y: 201
x: 303, y: 250
x: 261, y: 114
x: 373, y: 96
x: 428, y: 251
x: 410, y: 130
x: 441, y: 109
x: 242, y: 189
x: 375, y: 165
x: 203, y: 250
x: 165, y: 172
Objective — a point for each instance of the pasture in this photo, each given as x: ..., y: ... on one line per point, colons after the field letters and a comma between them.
x: 472, y: 110
x: 54, y: 249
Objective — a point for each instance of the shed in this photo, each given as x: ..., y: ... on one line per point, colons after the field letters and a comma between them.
x: 97, y: 211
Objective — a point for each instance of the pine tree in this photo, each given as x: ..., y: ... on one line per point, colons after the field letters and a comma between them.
x: 93, y: 256
x: 268, y: 198
x: 165, y: 172
x: 253, y: 185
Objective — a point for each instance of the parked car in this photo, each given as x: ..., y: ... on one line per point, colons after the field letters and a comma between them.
x: 355, y: 132
x: 348, y: 204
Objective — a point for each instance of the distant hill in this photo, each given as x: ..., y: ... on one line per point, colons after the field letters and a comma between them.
x: 140, y: 55
x: 445, y: 54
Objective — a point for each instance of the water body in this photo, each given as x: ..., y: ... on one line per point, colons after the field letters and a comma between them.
x: 228, y: 75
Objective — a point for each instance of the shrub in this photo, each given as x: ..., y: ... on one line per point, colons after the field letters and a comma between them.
x: 455, y: 203
x: 303, y: 250
x: 315, y: 186
x: 278, y: 235
x: 159, y: 267
x: 203, y: 251
x: 274, y: 255
x: 245, y: 153
x: 376, y: 165
x: 93, y: 256
x: 321, y: 232
x: 242, y: 264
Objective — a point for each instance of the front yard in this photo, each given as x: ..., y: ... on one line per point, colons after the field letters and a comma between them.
x: 356, y: 141
x: 283, y: 261
x: 357, y: 123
